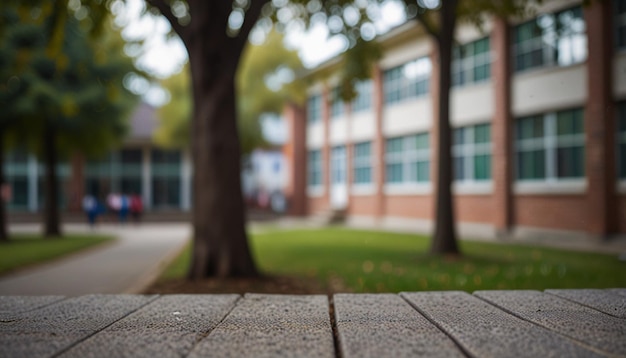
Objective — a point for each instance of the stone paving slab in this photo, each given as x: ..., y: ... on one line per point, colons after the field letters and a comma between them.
x: 272, y: 326
x: 416, y: 324
x: 596, y: 329
x: 385, y: 325
x: 52, y: 329
x: 167, y: 327
x: 486, y: 331
x: 611, y: 303
x: 12, y: 306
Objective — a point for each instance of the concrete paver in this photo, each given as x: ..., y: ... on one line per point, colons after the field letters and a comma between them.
x: 125, y: 266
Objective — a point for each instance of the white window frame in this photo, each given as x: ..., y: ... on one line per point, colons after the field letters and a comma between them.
x: 411, y: 73
x: 363, y: 100
x: 469, y: 184
x: 468, y: 64
x: 551, y: 183
x: 316, y: 189
x: 362, y: 162
x: 314, y: 109
x: 407, y: 156
x: 549, y: 34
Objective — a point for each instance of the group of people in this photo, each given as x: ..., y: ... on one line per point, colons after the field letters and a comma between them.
x: 119, y: 205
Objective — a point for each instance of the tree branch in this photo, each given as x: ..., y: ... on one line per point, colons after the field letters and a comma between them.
x: 252, y: 15
x: 165, y: 10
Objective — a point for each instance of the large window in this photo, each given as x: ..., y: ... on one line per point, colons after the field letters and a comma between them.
x: 472, y: 62
x: 362, y: 163
x: 16, y: 172
x: 551, y: 39
x: 407, y: 159
x: 551, y: 146
x: 472, y: 153
x: 363, y: 100
x: 621, y: 140
x: 407, y: 81
x: 314, y: 109
x: 314, y: 168
x: 338, y: 164
x: 166, y: 171
x: 336, y: 103
x: 620, y: 23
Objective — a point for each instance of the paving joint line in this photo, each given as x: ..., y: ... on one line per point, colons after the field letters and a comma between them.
x: 66, y: 349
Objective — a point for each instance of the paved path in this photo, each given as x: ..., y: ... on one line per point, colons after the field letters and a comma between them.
x: 555, y: 323
x: 125, y: 266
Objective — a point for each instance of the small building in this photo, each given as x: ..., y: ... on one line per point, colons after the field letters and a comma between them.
x: 161, y: 176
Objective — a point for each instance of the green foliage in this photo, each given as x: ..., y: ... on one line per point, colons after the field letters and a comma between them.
x: 28, y: 250
x: 175, y: 116
x: 76, y: 90
x: 369, y: 261
x: 254, y: 98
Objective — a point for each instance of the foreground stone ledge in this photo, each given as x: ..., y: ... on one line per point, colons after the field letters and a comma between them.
x: 555, y: 323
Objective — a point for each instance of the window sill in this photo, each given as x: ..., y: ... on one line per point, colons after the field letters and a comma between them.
x: 473, y: 188
x: 621, y: 186
x: 561, y: 187
x: 315, y: 191
x: 363, y: 189
x: 408, y: 189
x: 542, y: 70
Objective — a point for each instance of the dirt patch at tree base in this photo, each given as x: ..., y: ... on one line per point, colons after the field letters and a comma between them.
x: 266, y: 284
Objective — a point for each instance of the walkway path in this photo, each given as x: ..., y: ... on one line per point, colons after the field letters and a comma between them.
x: 126, y: 266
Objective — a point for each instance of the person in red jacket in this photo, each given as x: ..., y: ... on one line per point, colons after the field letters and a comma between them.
x: 136, y: 207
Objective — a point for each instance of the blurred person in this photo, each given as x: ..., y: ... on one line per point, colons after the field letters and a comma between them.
x: 124, y: 207
x: 90, y: 207
x: 136, y: 207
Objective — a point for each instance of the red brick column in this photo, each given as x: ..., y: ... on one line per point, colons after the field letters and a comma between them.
x: 296, y: 158
x: 379, y: 142
x: 600, y: 122
x: 502, y: 128
x: 326, y: 102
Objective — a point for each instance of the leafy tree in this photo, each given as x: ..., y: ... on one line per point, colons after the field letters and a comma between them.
x: 72, y: 95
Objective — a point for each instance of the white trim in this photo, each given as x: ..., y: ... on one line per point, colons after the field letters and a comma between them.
x: 472, y: 187
x: 315, y: 191
x: 552, y: 187
x: 408, y: 189
x: 363, y: 189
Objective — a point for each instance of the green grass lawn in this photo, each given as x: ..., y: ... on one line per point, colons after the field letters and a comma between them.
x: 26, y: 250
x: 367, y: 261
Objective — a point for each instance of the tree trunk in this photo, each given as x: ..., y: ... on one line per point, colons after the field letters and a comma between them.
x: 4, y: 234
x: 52, y: 219
x: 444, y: 240
x: 220, y: 240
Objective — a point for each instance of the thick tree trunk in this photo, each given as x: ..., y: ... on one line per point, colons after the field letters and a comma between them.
x: 220, y: 240
x: 52, y: 227
x: 4, y: 234
x: 445, y: 240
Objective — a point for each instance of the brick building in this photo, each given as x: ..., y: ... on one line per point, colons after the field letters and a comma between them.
x: 538, y: 108
x: 161, y: 176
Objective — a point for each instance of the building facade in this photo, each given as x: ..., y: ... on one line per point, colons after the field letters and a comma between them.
x: 538, y: 109
x: 162, y: 177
